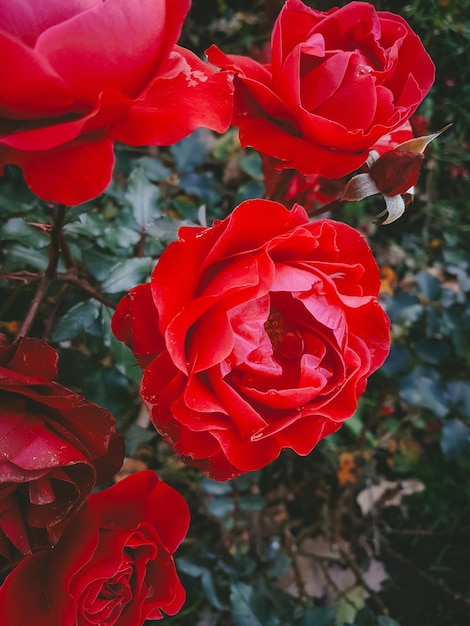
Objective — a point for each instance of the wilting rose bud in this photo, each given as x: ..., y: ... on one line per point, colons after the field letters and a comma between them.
x: 396, y: 171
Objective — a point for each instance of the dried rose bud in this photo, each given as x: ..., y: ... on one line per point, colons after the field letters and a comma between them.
x: 396, y: 171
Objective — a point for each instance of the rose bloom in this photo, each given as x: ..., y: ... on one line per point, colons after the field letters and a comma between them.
x: 113, y: 565
x: 79, y: 75
x: 256, y: 334
x: 337, y: 82
x: 55, y: 446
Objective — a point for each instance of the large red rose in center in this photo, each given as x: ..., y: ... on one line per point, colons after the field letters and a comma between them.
x: 257, y: 334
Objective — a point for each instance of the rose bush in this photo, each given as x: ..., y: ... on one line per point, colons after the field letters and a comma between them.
x: 256, y: 334
x: 55, y: 447
x: 337, y: 82
x: 112, y: 567
x: 81, y: 75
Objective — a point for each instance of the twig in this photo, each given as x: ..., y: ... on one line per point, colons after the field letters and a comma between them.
x: 55, y: 247
x: 360, y: 579
x: 435, y: 582
x: 50, y: 319
x: 33, y: 309
x: 293, y: 551
x: 85, y: 286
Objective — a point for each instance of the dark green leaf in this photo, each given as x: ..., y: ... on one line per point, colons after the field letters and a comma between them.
x: 136, y: 436
x: 220, y: 507
x: 253, y: 189
x: 76, y: 320
x: 318, y: 616
x: 252, y: 165
x: 207, y: 583
x: 423, y: 387
x: 127, y: 274
x: 17, y: 257
x: 455, y: 438
x: 242, y: 610
x: 429, y: 286
x: 431, y: 350
x: 143, y: 197
x: 214, y: 487
x: 397, y: 361
x: 18, y: 230
x: 191, y: 151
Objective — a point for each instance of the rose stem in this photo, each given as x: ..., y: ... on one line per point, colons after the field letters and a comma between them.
x: 278, y: 188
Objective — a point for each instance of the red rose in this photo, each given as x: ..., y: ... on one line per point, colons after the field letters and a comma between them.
x: 257, y: 334
x: 113, y: 565
x: 78, y: 76
x: 337, y: 82
x: 55, y: 446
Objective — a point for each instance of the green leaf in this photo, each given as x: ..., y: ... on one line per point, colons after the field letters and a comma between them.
x: 18, y: 230
x: 143, y: 197
x: 242, y: 610
x: 429, y: 286
x: 253, y: 166
x: 154, y: 169
x: 251, y: 502
x: 383, y: 620
x: 398, y: 361
x: 253, y: 189
x: 191, y: 151
x: 127, y: 274
x: 404, y: 307
x: 318, y: 616
x: 120, y: 237
x: 220, y: 507
x: 207, y: 583
x: 431, y: 350
x: 135, y: 436
x: 214, y: 487
x: 17, y: 257
x: 455, y: 438
x: 76, y: 320
x: 423, y: 387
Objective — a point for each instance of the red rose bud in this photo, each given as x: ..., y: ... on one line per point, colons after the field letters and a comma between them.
x: 396, y: 171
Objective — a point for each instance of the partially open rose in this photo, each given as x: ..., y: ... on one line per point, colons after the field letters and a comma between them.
x: 112, y: 567
x: 78, y: 75
x: 337, y: 82
x: 257, y: 334
x: 55, y: 447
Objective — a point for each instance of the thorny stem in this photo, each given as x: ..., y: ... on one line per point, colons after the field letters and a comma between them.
x: 55, y: 249
x: 55, y: 246
x: 33, y: 309
x: 85, y: 286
